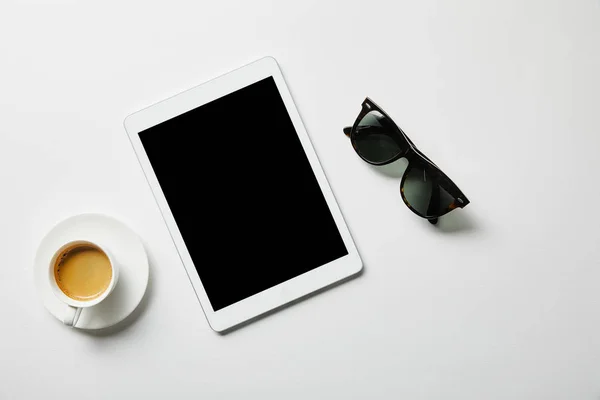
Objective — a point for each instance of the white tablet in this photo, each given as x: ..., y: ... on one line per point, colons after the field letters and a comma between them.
x: 243, y: 194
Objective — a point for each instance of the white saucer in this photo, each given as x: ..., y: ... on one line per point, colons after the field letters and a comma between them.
x: 123, y: 244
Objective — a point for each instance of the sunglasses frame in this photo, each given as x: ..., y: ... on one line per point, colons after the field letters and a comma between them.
x: 414, y: 157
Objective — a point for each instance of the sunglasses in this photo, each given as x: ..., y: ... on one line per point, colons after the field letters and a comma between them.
x: 425, y: 189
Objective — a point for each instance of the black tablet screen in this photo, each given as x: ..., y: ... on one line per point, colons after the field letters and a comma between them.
x: 243, y: 193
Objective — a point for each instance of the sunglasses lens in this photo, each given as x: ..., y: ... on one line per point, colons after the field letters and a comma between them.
x: 376, y: 138
x: 422, y: 191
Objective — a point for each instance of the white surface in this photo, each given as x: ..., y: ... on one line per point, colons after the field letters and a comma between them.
x: 503, y: 96
x: 289, y: 290
x: 123, y: 246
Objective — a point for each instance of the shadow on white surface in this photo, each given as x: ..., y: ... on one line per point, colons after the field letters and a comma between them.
x: 459, y: 220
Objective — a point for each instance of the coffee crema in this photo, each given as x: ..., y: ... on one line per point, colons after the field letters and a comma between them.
x: 83, y: 272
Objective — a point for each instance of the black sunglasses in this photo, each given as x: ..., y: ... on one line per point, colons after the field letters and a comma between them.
x: 425, y: 189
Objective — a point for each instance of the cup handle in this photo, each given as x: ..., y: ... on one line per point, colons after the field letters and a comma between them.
x: 72, y: 316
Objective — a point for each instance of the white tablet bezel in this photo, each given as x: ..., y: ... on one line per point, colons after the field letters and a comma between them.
x: 287, y: 291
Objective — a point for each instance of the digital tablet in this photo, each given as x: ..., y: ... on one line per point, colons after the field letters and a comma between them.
x: 243, y: 194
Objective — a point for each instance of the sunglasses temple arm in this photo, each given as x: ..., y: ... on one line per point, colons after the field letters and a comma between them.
x: 347, y: 130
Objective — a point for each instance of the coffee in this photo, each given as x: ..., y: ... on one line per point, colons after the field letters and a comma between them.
x: 83, y: 272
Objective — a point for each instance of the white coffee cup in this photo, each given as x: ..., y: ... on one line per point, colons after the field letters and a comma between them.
x: 73, y: 307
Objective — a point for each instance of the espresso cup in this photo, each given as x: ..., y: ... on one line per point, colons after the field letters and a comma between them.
x: 82, y: 274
